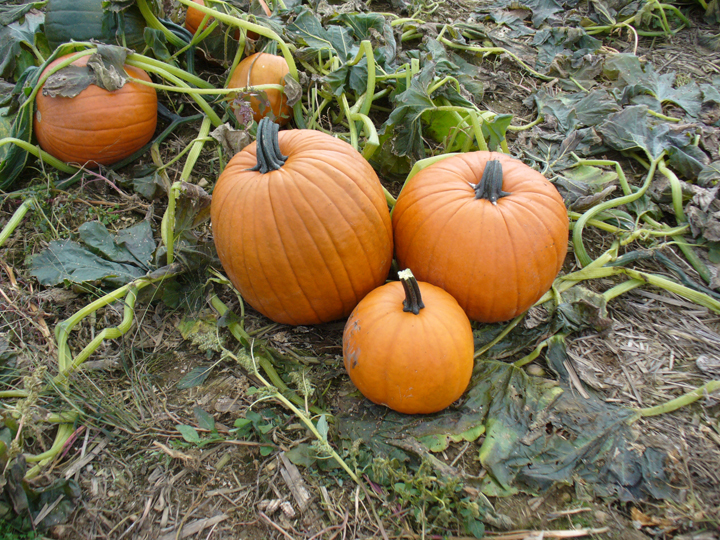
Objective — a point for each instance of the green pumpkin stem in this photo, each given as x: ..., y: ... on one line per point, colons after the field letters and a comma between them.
x: 490, y: 185
x: 269, y: 157
x: 413, y: 300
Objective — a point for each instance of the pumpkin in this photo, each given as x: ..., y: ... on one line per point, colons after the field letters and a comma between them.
x: 409, y: 345
x: 303, y: 236
x: 97, y: 126
x: 82, y: 20
x: 485, y: 227
x: 264, y: 68
x: 194, y: 17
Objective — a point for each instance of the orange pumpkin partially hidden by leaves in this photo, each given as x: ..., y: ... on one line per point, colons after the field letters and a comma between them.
x: 194, y: 17
x: 263, y: 68
x: 485, y: 227
x: 409, y: 345
x: 97, y: 126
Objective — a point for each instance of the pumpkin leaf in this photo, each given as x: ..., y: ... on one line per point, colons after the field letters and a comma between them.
x: 303, y: 455
x: 12, y: 157
x: 56, y: 501
x: 494, y: 130
x: 307, y: 30
x: 16, y: 42
x: 576, y: 110
x: 195, y: 377
x: 8, y: 362
x: 541, y: 10
x: 538, y: 432
x: 634, y: 79
x: 134, y: 245
x: 376, y: 28
x: 104, y: 69
x: 67, y: 261
x: 12, y: 13
x: 631, y: 129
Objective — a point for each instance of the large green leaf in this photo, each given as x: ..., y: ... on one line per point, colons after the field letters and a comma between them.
x: 635, y: 80
x: 112, y: 259
x: 16, y: 41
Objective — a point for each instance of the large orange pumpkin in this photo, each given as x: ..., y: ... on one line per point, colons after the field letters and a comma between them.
x: 263, y: 68
x: 306, y: 238
x: 409, y: 346
x: 485, y: 227
x: 97, y: 126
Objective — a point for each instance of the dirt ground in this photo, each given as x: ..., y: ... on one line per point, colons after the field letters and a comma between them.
x: 140, y: 479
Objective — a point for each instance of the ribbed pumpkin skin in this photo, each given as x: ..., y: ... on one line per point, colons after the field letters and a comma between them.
x: 304, y: 243
x: 263, y: 68
x: 97, y: 126
x: 81, y: 20
x: 496, y: 261
x: 193, y: 17
x: 411, y: 363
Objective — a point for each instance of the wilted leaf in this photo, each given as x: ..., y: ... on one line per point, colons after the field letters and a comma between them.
x: 68, y: 262
x: 710, y: 175
x: 635, y: 79
x: 134, y: 245
x: 232, y: 140
x: 573, y: 111
x: 631, y: 129
x: 10, y: 14
x: 8, y: 361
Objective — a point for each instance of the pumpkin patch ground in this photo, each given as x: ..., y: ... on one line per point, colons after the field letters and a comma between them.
x: 141, y: 394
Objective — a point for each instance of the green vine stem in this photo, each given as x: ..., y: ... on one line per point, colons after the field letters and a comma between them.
x: 66, y: 363
x: 16, y: 219
x: 239, y: 333
x: 675, y: 188
x: 151, y: 64
x: 197, y: 146
x: 493, y: 50
x: 682, y: 401
x: 303, y: 418
x: 153, y: 22
x: 366, y: 50
x: 578, y: 245
x: 133, y: 60
x: 532, y: 356
x: 167, y: 225
x: 40, y: 154
x: 262, y: 31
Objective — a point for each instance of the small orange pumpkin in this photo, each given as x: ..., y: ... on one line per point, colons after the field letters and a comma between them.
x: 263, y: 68
x: 97, y: 126
x: 485, y: 227
x: 409, y: 345
x: 303, y: 236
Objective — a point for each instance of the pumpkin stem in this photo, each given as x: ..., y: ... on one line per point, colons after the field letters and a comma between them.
x: 490, y: 185
x: 413, y: 300
x: 269, y: 157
